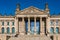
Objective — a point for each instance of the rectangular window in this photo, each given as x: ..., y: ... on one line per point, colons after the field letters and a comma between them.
x: 13, y: 23
x: 51, y: 23
x: 56, y: 22
x: 7, y: 23
x: 2, y: 23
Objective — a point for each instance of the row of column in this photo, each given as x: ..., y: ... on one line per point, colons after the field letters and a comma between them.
x: 41, y: 26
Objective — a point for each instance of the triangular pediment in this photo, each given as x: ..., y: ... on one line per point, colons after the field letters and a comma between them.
x: 32, y: 10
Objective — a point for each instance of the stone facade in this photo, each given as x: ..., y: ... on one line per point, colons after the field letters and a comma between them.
x: 14, y: 27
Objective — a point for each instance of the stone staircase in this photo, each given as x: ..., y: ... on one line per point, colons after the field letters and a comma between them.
x: 30, y: 37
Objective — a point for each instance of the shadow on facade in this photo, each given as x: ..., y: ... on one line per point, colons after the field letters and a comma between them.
x: 51, y: 37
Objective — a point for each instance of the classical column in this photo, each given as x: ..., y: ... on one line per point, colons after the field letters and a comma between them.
x: 23, y: 26
x: 40, y: 25
x: 34, y: 25
x: 28, y: 26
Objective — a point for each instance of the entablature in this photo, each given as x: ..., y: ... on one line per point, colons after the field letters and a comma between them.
x: 32, y: 16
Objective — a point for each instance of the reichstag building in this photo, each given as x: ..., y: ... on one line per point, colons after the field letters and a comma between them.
x: 30, y: 24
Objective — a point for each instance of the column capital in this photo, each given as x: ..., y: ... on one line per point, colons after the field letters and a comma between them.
x: 40, y: 17
x: 28, y: 17
x: 34, y: 17
x: 22, y: 17
x: 16, y: 17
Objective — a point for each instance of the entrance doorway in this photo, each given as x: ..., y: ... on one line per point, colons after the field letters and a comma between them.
x: 51, y: 37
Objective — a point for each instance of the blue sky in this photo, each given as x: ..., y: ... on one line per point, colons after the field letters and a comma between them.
x: 8, y: 6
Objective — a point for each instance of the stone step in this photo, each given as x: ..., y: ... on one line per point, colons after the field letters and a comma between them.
x: 30, y: 37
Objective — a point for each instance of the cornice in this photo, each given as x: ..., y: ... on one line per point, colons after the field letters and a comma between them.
x: 55, y: 16
x: 7, y: 16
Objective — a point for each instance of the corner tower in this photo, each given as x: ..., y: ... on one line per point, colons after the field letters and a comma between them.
x: 17, y: 8
x: 46, y: 8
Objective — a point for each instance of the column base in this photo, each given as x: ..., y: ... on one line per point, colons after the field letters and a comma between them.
x: 28, y: 33
x: 34, y: 33
x: 22, y: 33
x: 42, y: 34
x: 48, y: 35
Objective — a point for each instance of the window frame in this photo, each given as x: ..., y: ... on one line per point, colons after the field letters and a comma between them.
x: 51, y: 22
x: 2, y: 30
x: 57, y: 28
x: 2, y: 23
x: 8, y: 30
x: 52, y: 30
x: 13, y: 23
x: 13, y: 30
x: 8, y: 23
x: 57, y: 22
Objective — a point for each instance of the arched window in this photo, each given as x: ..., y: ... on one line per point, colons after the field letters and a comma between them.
x: 57, y: 30
x: 8, y: 30
x: 13, y: 30
x: 51, y: 30
x: 2, y: 29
